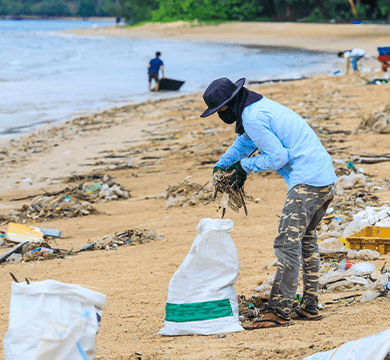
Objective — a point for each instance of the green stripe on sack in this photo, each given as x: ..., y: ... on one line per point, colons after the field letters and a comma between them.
x: 199, y: 311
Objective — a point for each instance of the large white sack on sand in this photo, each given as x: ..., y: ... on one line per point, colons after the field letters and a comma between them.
x: 201, y: 294
x: 374, y: 347
x: 51, y: 320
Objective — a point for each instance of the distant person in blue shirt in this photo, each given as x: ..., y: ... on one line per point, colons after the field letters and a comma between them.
x: 153, y: 68
x: 289, y: 146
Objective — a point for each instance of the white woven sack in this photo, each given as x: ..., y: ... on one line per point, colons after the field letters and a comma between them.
x: 51, y: 320
x: 374, y: 347
x: 201, y: 294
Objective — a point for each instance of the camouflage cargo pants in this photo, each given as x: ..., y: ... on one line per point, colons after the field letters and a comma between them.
x: 303, y: 210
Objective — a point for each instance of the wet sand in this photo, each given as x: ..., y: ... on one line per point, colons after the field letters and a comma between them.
x: 164, y: 142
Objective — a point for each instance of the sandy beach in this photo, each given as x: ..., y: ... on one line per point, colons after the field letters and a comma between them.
x: 151, y: 146
x: 320, y: 37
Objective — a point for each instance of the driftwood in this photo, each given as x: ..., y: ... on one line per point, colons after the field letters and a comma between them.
x: 46, y: 194
x: 88, y: 177
x: 14, y: 277
x: 250, y: 82
x: 370, y: 159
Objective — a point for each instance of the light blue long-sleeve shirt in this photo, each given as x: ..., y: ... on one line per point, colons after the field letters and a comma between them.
x: 287, y: 145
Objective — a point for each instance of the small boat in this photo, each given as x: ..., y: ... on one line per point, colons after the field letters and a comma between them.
x: 170, y: 84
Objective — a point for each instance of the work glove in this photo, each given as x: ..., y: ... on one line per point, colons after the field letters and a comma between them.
x: 218, y: 168
x: 239, y: 175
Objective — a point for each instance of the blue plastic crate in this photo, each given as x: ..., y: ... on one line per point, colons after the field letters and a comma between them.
x: 384, y: 51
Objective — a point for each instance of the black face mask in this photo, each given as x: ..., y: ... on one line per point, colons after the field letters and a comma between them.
x: 227, y: 116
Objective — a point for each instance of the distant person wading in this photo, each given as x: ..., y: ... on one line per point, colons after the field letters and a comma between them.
x: 153, y: 68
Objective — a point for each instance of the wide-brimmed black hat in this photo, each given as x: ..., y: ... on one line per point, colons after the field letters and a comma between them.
x: 219, y: 93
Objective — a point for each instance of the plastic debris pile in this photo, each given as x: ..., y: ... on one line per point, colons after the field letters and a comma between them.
x: 251, y: 308
x: 41, y: 251
x: 185, y: 193
x: 68, y: 203
x: 377, y: 123
x: 105, y: 189
x: 343, y: 269
x: 45, y: 208
x: 129, y: 237
x: 354, y: 206
x: 38, y: 247
x: 25, y: 243
x: 361, y: 276
x: 347, y: 223
x: 342, y: 276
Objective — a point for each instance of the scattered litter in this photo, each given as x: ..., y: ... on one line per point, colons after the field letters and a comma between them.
x: 360, y: 276
x: 129, y: 237
x: 369, y: 295
x: 369, y: 216
x: 19, y: 233
x: 185, y: 193
x: 14, y: 258
x: 329, y: 210
x: 67, y: 203
x: 335, y: 276
x: 377, y: 123
x: 331, y: 246
x: 42, y: 250
x: 51, y: 232
x: 250, y: 308
x: 344, y: 265
x: 363, y: 254
x: 363, y: 268
x: 377, y: 81
x: 15, y: 249
x: 352, y: 180
x: 376, y: 289
x: 265, y: 288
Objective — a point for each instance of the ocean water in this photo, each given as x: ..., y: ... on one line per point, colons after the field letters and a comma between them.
x: 46, y: 75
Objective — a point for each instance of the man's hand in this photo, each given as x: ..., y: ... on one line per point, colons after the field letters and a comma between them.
x: 239, y: 175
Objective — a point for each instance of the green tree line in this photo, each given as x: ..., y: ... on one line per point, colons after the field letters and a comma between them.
x: 255, y: 10
x: 135, y: 11
x: 49, y: 8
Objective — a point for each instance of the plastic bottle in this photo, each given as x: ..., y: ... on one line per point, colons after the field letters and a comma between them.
x: 42, y: 250
x: 338, y: 219
x: 46, y: 250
